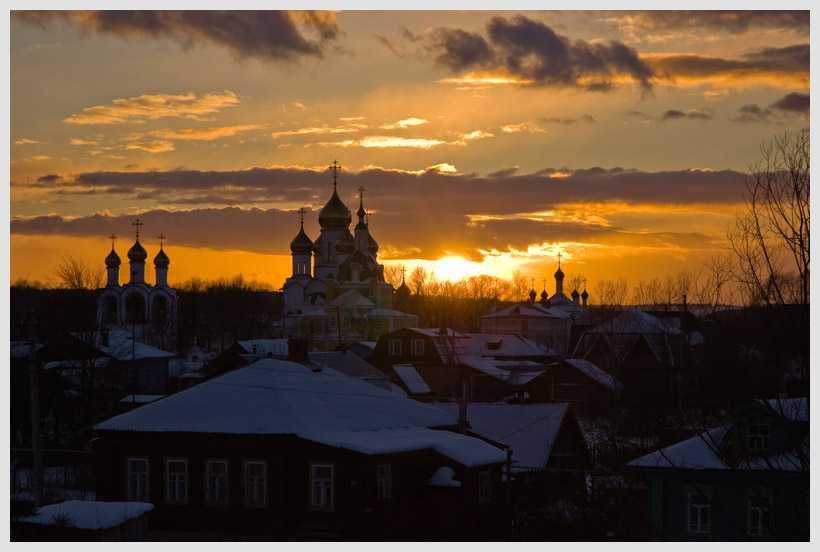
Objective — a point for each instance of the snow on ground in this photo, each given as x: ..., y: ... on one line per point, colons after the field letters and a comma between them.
x: 88, y: 515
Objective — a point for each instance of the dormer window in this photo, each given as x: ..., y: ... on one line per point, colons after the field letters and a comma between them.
x: 759, y: 437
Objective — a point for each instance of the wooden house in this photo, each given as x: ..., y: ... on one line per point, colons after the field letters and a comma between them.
x: 745, y: 480
x: 283, y: 450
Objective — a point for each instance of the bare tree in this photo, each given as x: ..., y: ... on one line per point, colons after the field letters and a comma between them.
x: 393, y: 274
x: 75, y: 273
x: 770, y: 240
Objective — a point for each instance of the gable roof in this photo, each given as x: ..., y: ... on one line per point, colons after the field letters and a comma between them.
x: 351, y: 364
x: 592, y: 371
x: 277, y: 397
x: 352, y: 298
x: 411, y: 378
x: 530, y: 430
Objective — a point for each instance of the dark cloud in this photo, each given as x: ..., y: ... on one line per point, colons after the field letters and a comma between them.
x: 692, y: 114
x: 444, y: 211
x: 791, y: 59
x: 267, y: 35
x: 531, y: 50
x: 752, y: 113
x: 734, y: 21
x: 503, y: 173
x: 794, y: 102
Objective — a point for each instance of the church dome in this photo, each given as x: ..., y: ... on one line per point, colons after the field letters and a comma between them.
x: 346, y: 243
x: 372, y: 246
x: 317, y: 246
x: 544, y: 295
x: 335, y: 215
x: 404, y: 290
x: 161, y: 260
x: 533, y: 295
x: 575, y: 294
x: 559, y: 274
x: 112, y: 260
x: 137, y: 253
x: 585, y: 295
x: 302, y: 243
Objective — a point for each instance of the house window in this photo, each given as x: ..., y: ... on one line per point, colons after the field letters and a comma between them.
x: 255, y: 484
x: 760, y: 517
x: 137, y: 479
x: 485, y: 486
x: 332, y: 321
x: 394, y: 347
x: 378, y: 325
x: 216, y: 482
x: 698, y: 513
x: 176, y: 481
x: 759, y: 437
x: 417, y: 347
x: 321, y: 486
x: 345, y: 321
x: 384, y: 483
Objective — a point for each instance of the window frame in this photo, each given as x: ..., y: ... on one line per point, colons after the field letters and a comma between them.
x: 698, y: 526
x: 416, y: 347
x: 326, y: 483
x: 762, y: 529
x: 757, y: 438
x: 384, y: 485
x: 485, y: 486
x: 223, y: 500
x: 180, y: 483
x: 146, y: 481
x: 246, y: 480
x: 394, y: 347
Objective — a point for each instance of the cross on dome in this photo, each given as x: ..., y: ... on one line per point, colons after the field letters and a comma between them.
x: 113, y: 238
x: 136, y: 224
x: 335, y: 168
x: 161, y: 237
x: 559, y: 259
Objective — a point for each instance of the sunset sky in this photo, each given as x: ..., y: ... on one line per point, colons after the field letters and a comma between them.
x: 616, y: 138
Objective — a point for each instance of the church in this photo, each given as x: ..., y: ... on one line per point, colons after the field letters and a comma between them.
x: 337, y: 293
x: 148, y: 313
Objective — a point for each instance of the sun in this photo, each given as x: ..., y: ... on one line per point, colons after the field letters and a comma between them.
x: 455, y: 268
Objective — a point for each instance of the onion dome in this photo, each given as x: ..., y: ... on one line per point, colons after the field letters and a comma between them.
x: 137, y: 253
x: 302, y: 243
x: 544, y: 295
x: 161, y: 260
x: 112, y: 260
x: 404, y: 290
x: 317, y: 246
x: 346, y: 243
x: 533, y: 295
x: 334, y: 215
x: 372, y: 246
x: 575, y: 294
x: 559, y: 274
x: 585, y: 295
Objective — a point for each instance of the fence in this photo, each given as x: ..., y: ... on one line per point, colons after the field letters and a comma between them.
x: 67, y: 474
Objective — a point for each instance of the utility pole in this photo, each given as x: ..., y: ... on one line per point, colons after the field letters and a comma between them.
x: 34, y: 386
x: 462, y: 409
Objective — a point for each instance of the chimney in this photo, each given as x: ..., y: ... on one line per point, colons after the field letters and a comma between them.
x: 298, y: 350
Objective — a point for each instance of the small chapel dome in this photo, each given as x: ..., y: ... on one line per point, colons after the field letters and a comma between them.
x: 112, y: 260
x: 585, y: 295
x: 161, y: 260
x: 533, y: 295
x: 302, y: 243
x: 137, y: 253
x: 346, y: 243
x: 559, y: 274
x: 544, y: 295
x: 575, y: 294
x: 404, y: 290
x: 334, y: 215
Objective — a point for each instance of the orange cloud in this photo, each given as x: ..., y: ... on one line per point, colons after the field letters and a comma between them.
x: 152, y: 107
x: 404, y: 123
x: 207, y: 134
x: 157, y: 146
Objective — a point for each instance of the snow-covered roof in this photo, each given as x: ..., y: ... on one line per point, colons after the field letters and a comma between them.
x: 141, y: 399
x: 527, y: 310
x: 19, y: 349
x: 89, y: 515
x: 274, y: 397
x: 796, y: 410
x: 702, y: 452
x: 595, y: 373
x: 411, y: 378
x: 352, y: 298
x: 390, y: 313
x: 444, y: 477
x: 500, y: 345
x: 529, y: 430
x: 352, y: 365
x: 122, y: 347
x: 264, y: 347
x: 178, y: 367
x: 637, y: 321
